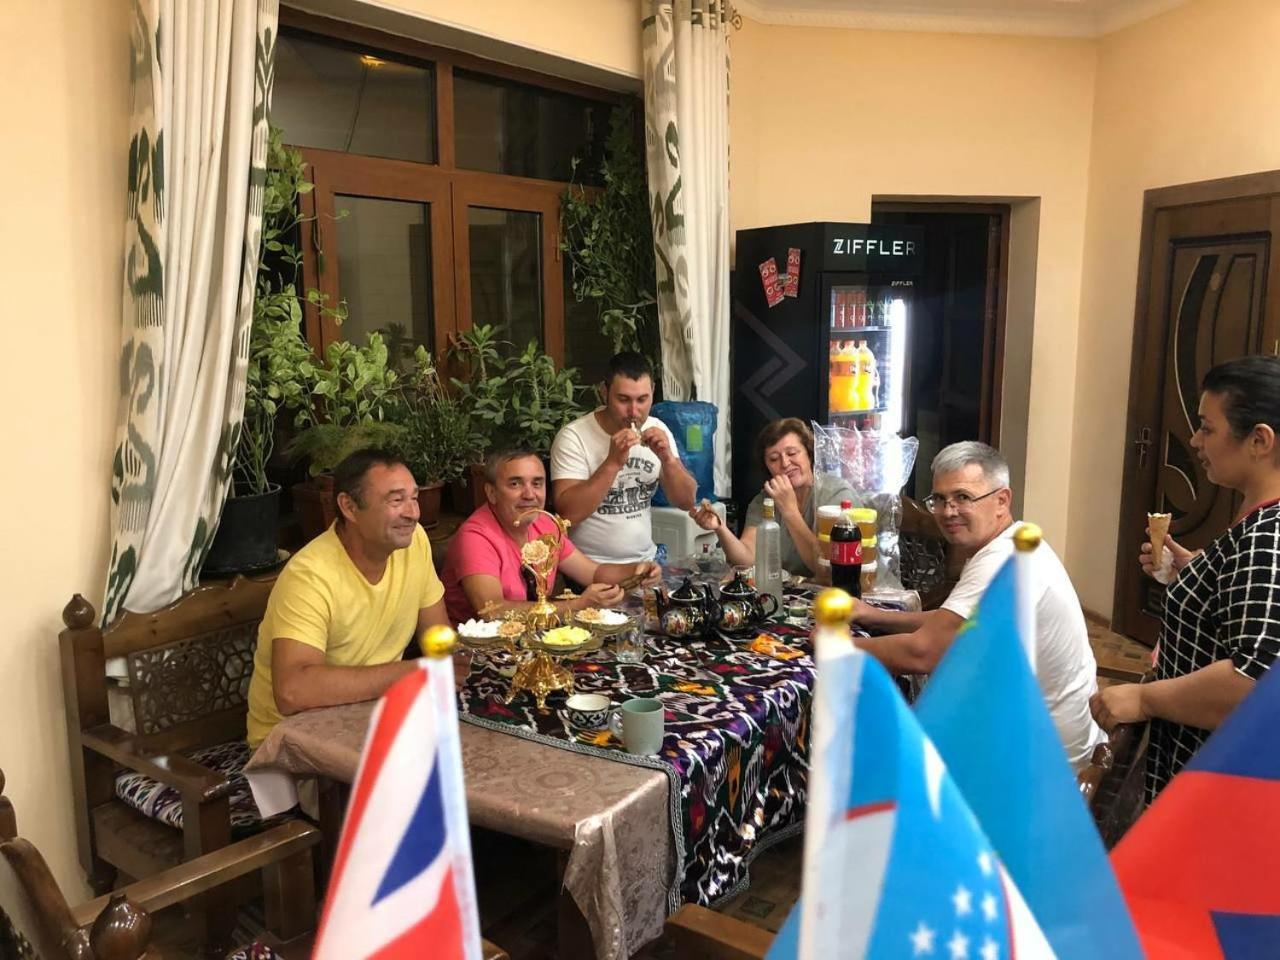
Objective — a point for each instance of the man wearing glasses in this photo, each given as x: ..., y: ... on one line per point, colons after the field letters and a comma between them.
x: 971, y: 502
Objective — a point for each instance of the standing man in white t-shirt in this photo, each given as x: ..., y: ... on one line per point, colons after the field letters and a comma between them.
x: 970, y: 501
x: 606, y: 465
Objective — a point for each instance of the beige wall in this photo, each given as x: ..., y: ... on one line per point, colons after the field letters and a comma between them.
x: 823, y: 120
x: 66, y: 111
x: 1191, y: 95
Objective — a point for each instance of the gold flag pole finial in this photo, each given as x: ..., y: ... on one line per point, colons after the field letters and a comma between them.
x: 833, y: 608
x: 1027, y: 537
x: 438, y: 641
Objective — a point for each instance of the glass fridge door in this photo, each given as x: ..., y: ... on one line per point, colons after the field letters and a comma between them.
x: 866, y: 346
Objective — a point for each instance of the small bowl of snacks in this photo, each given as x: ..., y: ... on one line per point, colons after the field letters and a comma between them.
x: 483, y: 633
x: 565, y: 640
x: 603, y: 621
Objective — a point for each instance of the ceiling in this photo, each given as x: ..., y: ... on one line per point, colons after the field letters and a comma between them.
x: 1061, y: 18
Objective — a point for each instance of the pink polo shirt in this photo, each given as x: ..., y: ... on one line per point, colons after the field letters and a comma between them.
x: 481, y: 546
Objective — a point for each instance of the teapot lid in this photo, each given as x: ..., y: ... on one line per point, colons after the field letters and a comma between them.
x: 686, y: 592
x: 737, y: 587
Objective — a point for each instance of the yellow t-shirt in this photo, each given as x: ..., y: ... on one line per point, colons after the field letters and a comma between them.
x: 322, y: 600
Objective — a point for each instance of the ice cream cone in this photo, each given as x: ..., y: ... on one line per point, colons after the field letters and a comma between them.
x: 1158, y: 529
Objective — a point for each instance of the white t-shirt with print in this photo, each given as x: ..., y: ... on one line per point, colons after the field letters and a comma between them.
x: 620, y: 530
x: 1065, y: 668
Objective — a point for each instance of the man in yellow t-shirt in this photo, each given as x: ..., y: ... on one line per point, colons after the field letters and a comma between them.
x: 348, y: 603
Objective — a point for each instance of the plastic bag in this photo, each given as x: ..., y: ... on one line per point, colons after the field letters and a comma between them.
x: 876, y: 466
x: 693, y: 423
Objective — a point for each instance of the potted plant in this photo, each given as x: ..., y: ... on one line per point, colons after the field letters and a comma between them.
x: 514, y: 398
x: 275, y: 381
x: 354, y: 403
x: 607, y: 237
x: 437, y: 441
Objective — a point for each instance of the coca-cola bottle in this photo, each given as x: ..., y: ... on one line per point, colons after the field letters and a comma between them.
x: 846, y: 552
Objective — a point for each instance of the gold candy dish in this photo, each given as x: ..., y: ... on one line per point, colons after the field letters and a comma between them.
x: 604, y: 622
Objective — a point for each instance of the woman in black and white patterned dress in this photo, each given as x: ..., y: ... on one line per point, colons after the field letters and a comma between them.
x: 1220, y: 629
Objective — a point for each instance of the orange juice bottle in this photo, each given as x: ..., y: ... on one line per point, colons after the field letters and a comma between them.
x: 838, y: 389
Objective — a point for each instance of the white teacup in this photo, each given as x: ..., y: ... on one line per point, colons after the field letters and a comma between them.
x: 587, y: 711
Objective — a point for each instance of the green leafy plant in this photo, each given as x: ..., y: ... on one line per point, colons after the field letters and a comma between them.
x: 280, y: 363
x: 438, y: 441
x: 515, y: 398
x: 325, y: 445
x: 352, y: 393
x: 354, y: 385
x: 607, y: 236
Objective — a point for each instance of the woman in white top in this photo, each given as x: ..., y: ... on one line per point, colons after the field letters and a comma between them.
x: 785, y: 447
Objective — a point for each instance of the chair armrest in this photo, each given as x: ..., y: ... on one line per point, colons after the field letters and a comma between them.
x: 190, y: 879
x: 707, y: 935
x: 171, y: 769
x: 489, y: 951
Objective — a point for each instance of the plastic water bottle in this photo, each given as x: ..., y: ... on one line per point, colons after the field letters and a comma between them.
x: 769, y: 554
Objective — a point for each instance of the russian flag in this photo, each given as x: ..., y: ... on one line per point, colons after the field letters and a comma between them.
x: 1201, y: 868
x: 402, y: 885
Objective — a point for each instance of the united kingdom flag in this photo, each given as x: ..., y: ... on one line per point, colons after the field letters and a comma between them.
x: 402, y: 884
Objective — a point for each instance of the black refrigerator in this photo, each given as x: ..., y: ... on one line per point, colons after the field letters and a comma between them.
x: 819, y: 330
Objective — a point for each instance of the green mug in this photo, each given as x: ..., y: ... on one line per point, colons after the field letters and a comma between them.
x: 639, y: 723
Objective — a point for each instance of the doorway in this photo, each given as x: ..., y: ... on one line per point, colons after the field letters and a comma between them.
x: 1203, y: 297
x: 956, y: 340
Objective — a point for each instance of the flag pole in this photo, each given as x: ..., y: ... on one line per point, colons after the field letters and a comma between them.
x: 830, y: 769
x: 1026, y: 539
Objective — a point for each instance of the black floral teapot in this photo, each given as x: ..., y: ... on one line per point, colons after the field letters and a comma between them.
x: 686, y: 611
x: 742, y: 609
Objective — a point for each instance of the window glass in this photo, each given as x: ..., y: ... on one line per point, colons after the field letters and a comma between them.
x: 384, y: 269
x: 585, y: 344
x: 506, y: 127
x: 339, y: 97
x: 506, y: 272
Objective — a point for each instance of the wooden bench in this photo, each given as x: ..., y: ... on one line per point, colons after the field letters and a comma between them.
x: 185, y: 681
x: 35, y: 919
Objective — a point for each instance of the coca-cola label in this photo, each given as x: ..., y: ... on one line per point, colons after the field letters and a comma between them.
x: 846, y: 552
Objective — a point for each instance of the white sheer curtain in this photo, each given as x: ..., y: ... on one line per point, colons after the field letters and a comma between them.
x: 201, y: 85
x: 686, y: 96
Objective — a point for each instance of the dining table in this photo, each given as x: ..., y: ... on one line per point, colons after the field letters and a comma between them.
x: 638, y: 835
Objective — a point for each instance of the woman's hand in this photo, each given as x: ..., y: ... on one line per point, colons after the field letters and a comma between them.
x: 1118, y: 704
x: 705, y: 517
x: 1178, y: 554
x: 783, y: 494
x: 652, y: 573
x: 600, y: 595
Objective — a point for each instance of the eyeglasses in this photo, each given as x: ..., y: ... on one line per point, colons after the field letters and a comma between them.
x: 961, y: 501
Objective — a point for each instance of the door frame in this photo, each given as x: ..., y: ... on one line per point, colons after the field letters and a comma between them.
x: 1154, y: 201
x: 997, y: 297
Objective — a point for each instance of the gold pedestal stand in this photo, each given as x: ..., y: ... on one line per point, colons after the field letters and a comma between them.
x: 538, y: 673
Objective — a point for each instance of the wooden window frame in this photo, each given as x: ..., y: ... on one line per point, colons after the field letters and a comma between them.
x: 447, y: 188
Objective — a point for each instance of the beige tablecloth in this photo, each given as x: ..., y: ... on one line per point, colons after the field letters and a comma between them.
x: 613, y: 818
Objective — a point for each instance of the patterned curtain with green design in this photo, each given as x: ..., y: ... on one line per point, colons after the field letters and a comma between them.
x: 197, y: 165
x: 686, y: 100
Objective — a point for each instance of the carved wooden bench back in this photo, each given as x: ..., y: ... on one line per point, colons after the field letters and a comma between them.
x: 188, y: 665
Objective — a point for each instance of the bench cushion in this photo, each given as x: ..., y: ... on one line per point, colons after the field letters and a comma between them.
x: 159, y: 802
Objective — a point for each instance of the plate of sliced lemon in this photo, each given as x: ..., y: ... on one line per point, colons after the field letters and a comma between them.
x: 567, y: 639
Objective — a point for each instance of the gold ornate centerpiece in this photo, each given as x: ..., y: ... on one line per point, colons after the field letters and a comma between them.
x: 545, y: 640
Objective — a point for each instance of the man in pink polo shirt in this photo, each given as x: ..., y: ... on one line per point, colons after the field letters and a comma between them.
x: 482, y: 570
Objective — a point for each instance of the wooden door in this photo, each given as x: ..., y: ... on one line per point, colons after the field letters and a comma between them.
x: 1208, y: 250
x: 390, y: 222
